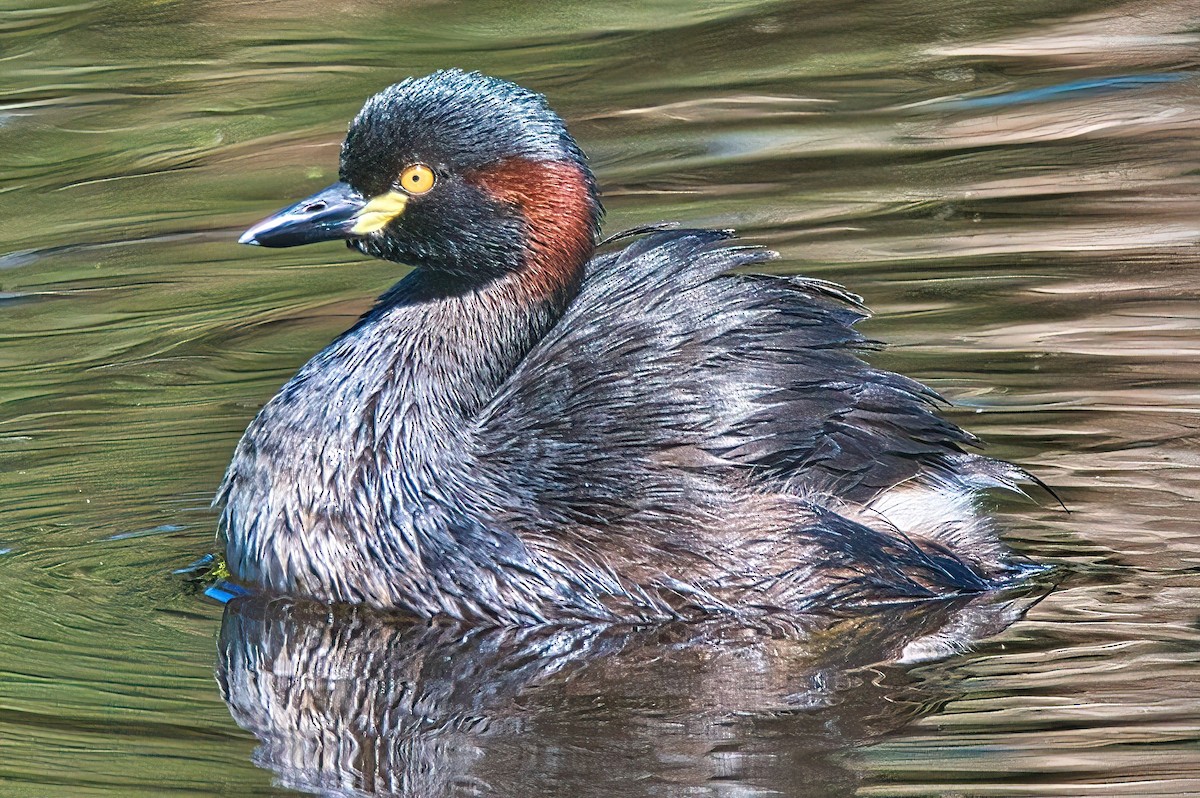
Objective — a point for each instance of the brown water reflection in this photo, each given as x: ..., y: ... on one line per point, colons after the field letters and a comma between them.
x: 352, y: 703
x: 1013, y: 187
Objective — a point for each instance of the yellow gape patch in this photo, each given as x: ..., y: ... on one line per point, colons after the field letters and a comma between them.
x: 378, y: 212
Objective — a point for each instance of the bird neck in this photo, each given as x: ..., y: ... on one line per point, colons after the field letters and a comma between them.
x: 456, y: 340
x: 463, y: 331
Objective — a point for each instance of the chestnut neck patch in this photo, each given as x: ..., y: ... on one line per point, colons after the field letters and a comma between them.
x: 557, y: 200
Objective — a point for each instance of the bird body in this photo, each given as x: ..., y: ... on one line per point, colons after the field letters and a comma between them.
x: 526, y: 430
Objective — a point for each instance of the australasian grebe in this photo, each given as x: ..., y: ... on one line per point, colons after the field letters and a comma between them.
x: 524, y: 430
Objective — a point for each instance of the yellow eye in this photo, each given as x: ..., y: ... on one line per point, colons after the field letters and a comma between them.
x: 417, y: 179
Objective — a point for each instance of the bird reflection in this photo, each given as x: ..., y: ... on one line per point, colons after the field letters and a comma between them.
x: 351, y: 702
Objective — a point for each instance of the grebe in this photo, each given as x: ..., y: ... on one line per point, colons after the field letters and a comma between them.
x: 525, y: 429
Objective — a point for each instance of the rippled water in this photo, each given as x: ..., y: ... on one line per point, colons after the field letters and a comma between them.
x: 1012, y: 186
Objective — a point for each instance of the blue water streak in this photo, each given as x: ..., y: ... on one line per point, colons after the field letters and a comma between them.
x: 1059, y: 91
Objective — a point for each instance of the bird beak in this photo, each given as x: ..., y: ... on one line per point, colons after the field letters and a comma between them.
x: 336, y: 212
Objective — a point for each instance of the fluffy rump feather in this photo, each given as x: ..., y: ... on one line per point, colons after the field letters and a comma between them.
x: 683, y: 413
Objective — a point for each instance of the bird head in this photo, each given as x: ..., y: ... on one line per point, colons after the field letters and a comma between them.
x: 454, y: 172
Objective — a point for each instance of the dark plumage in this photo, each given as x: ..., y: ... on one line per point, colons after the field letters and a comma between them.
x: 522, y: 430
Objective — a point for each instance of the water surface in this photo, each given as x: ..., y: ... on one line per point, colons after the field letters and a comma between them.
x: 1013, y: 188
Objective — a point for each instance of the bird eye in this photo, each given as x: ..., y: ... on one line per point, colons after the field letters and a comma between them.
x: 417, y: 179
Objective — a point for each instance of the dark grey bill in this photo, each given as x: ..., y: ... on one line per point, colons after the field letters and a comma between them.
x: 325, y: 216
